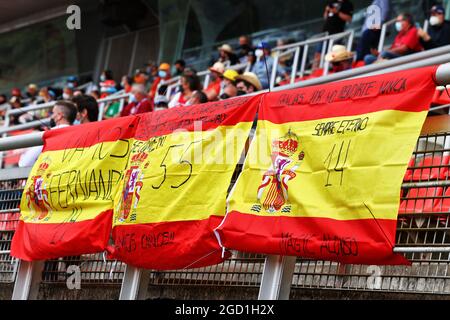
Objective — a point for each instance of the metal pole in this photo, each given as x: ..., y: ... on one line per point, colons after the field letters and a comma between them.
x: 135, y: 283
x: 21, y: 141
x: 277, y: 278
x: 304, y: 57
x: 28, y: 279
x: 295, y: 64
x: 327, y: 63
x: 322, y: 54
x: 274, y: 70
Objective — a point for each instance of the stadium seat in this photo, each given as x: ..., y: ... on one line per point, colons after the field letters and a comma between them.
x: 413, y: 205
x: 358, y: 64
x: 424, y: 174
x: 9, y: 221
x: 408, y: 173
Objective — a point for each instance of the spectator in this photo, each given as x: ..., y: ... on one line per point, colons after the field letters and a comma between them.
x: 406, y: 41
x: 106, y: 75
x: 226, y: 55
x: 15, y: 92
x: 87, y: 108
x: 189, y: 84
x: 140, y: 77
x: 163, y: 74
x: 161, y: 102
x: 15, y: 103
x: 126, y: 83
x: 107, y: 87
x: 180, y: 65
x: 244, y: 48
x: 438, y: 32
x: 72, y: 82
x: 229, y: 84
x: 213, y: 89
x: 339, y: 58
x: 32, y: 92
x: 264, y: 65
x: 247, y: 83
x: 63, y: 115
x: 46, y: 95
x: 139, y: 101
x: 336, y: 14
x: 371, y: 32
x: 198, y: 97
x: 67, y: 93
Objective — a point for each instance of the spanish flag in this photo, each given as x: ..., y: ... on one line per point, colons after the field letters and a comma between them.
x: 174, y: 190
x: 67, y: 203
x: 323, y: 175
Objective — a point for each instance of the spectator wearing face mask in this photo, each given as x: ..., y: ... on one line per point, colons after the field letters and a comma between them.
x: 245, y: 47
x: 406, y: 41
x: 189, y: 84
x: 438, y: 31
x: 247, y: 83
x: 139, y: 102
x: 126, y: 83
x: 106, y: 75
x: 214, y: 86
x: 163, y: 74
x: 67, y: 93
x: 63, y: 115
x: 264, y: 64
x: 87, y: 108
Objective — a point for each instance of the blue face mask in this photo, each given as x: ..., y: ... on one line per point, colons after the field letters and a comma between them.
x: 102, y: 78
x: 76, y: 122
x: 398, y: 26
x: 162, y: 74
x: 132, y: 98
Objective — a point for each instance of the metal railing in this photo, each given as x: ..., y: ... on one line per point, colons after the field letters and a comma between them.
x: 427, y: 249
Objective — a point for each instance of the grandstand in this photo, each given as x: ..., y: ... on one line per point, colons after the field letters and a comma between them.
x: 423, y: 226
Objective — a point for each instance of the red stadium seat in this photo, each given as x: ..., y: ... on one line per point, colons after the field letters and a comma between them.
x: 413, y: 205
x: 358, y: 64
x: 431, y: 173
x: 9, y: 221
x: 408, y: 173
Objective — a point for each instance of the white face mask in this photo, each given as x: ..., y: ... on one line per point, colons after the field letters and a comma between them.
x: 66, y: 96
x: 259, y: 53
x: 434, y: 21
x: 398, y: 26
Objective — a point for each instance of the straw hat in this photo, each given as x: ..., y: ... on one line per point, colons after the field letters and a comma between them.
x: 251, y: 78
x: 218, y: 67
x: 230, y: 74
x: 226, y: 48
x: 338, y: 53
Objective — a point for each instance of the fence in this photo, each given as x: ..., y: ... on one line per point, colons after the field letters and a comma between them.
x: 422, y: 236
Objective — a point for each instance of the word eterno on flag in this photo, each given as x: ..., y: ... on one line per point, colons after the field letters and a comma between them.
x: 323, y: 175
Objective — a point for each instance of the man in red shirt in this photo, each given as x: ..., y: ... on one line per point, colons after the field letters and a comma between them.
x: 213, y: 89
x: 406, y: 41
x: 139, y: 102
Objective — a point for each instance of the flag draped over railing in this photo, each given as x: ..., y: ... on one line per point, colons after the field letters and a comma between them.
x: 321, y: 178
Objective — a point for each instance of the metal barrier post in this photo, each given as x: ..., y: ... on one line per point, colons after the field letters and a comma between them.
x: 326, y: 65
x: 383, y: 34
x: 295, y: 64
x: 274, y: 70
x: 277, y: 278
x: 134, y: 284
x: 28, y: 279
x: 304, y: 57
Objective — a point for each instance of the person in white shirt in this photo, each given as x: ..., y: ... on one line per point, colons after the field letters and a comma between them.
x: 63, y: 115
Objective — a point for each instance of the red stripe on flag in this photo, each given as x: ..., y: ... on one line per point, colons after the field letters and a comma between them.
x: 202, y: 117
x: 41, y: 241
x: 393, y: 91
x: 89, y: 134
x: 168, y: 245
x: 348, y: 241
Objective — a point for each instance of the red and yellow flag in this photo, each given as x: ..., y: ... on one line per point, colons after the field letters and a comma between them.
x: 323, y: 175
x: 174, y: 190
x: 67, y: 203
